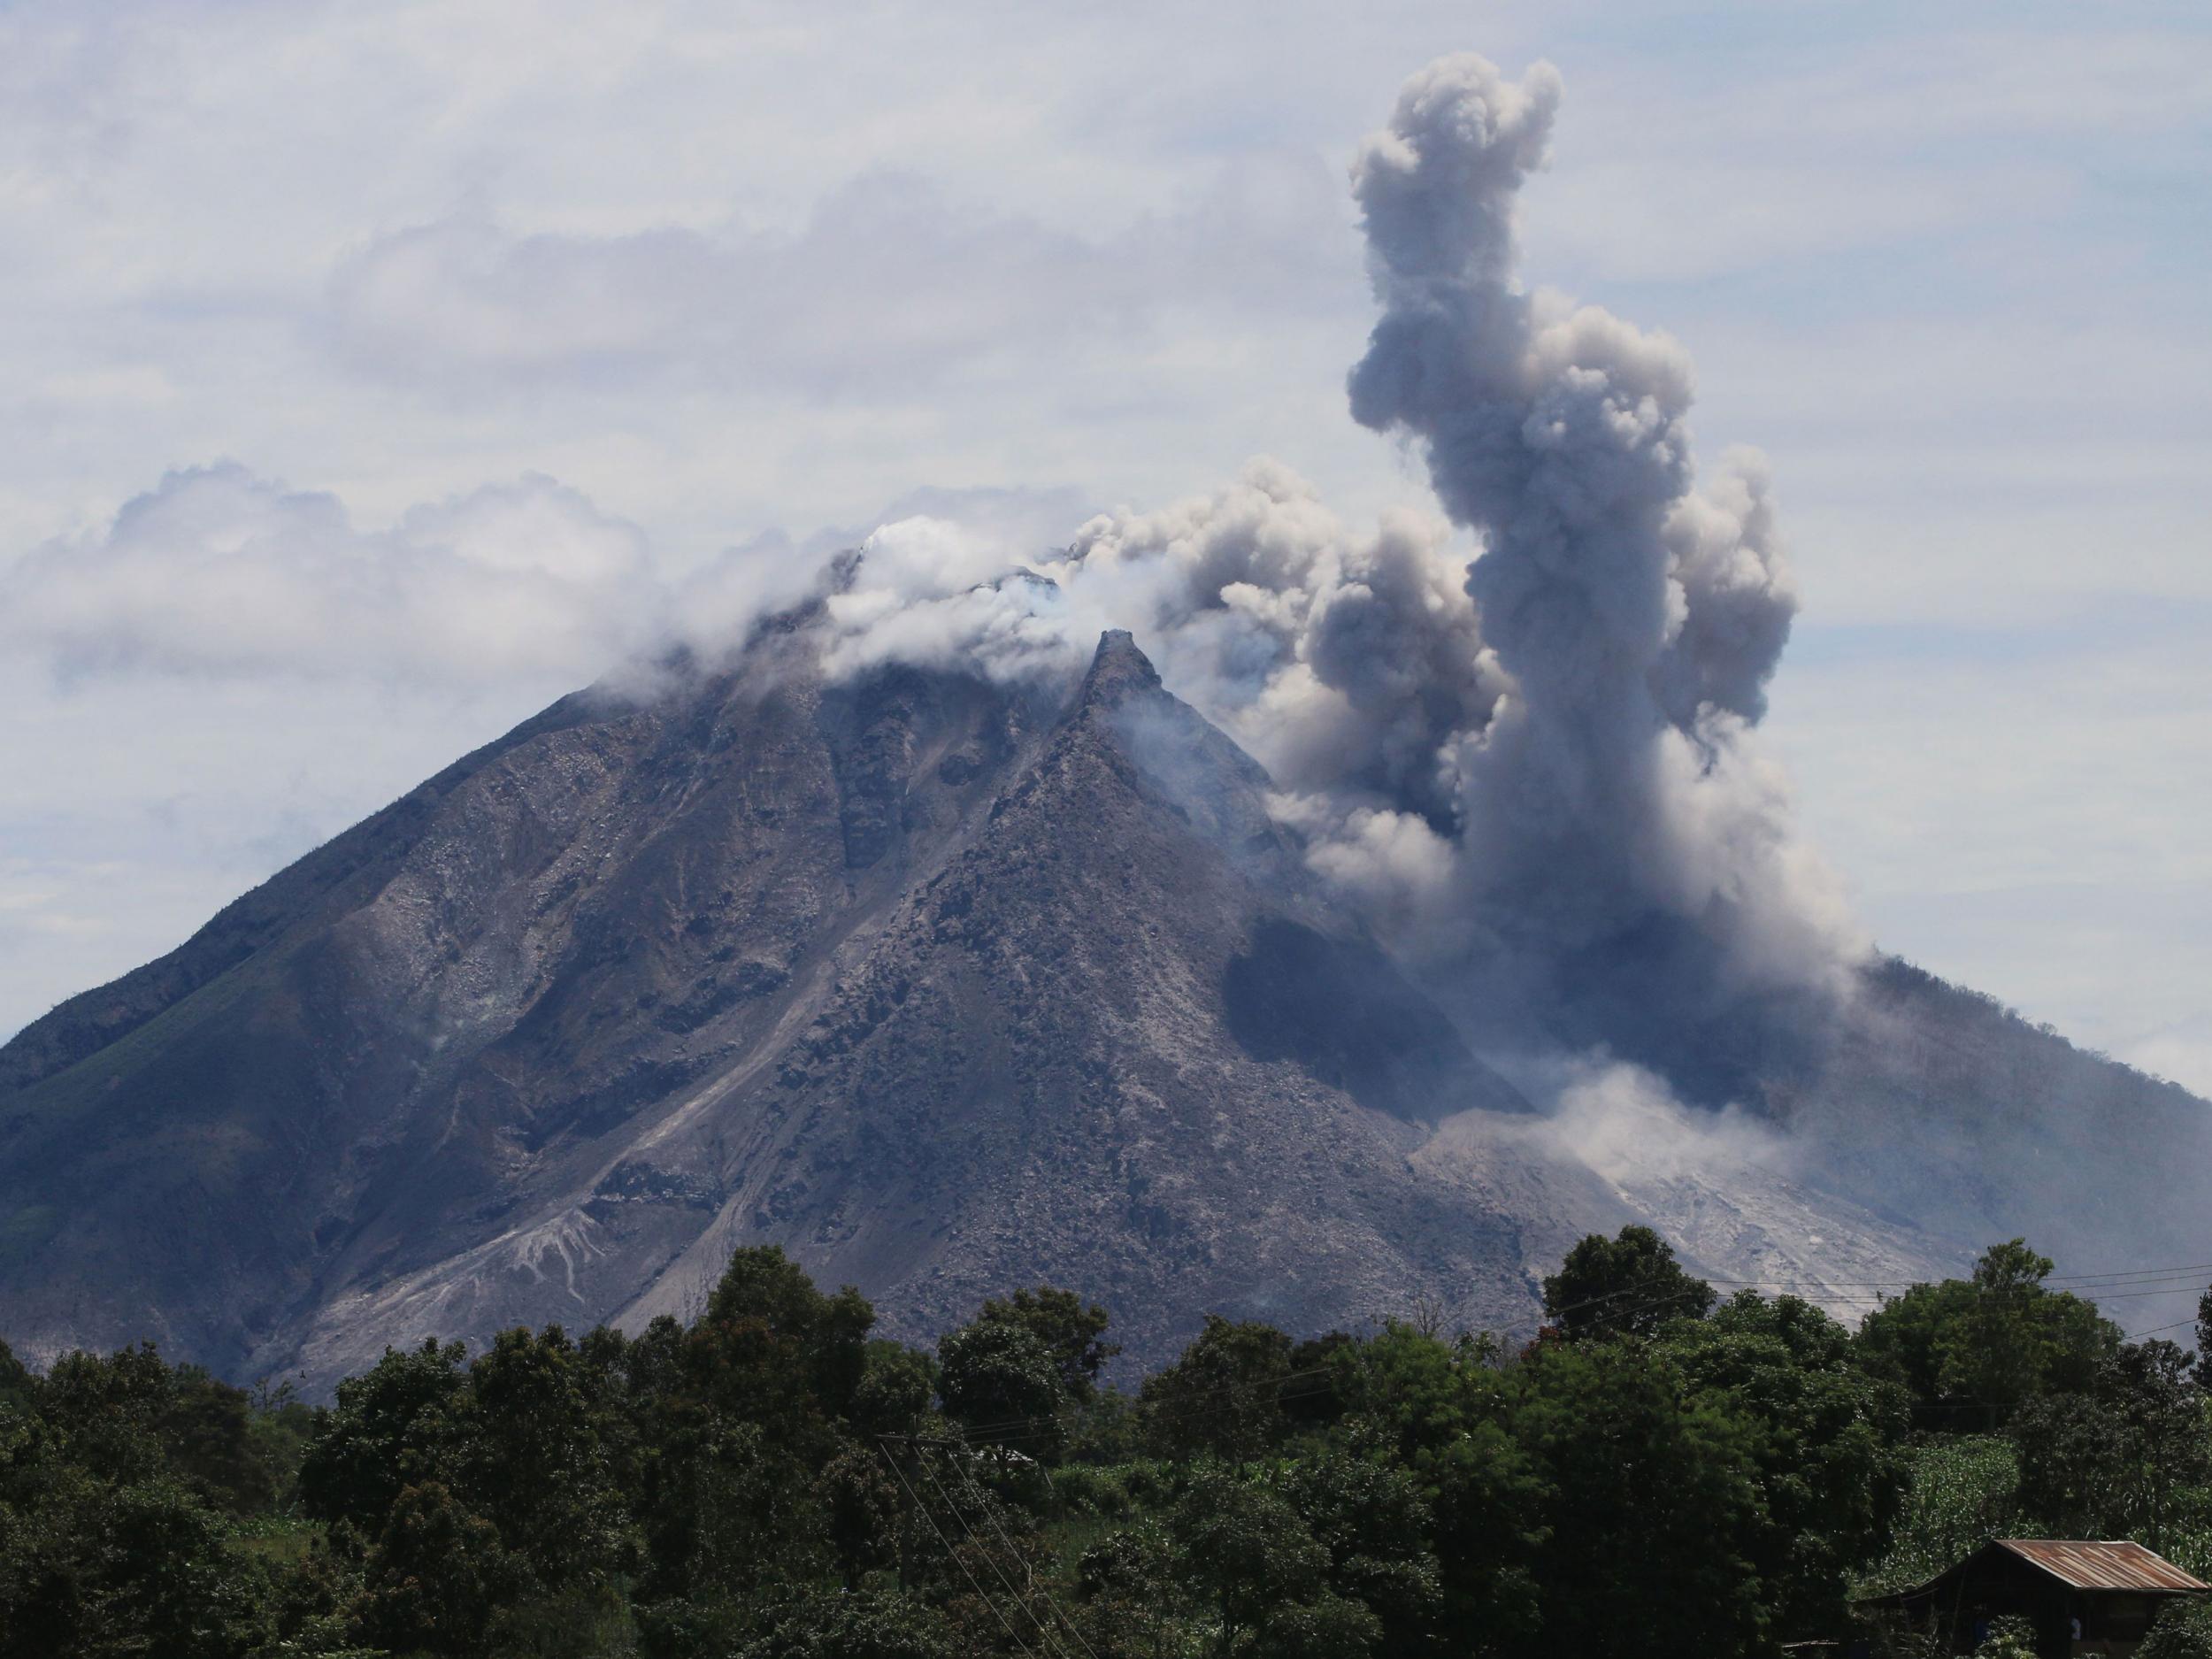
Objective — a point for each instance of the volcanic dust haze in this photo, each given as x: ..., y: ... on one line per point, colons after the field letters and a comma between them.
x: 1526, y: 753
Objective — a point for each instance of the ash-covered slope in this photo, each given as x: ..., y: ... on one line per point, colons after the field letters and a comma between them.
x: 1933, y: 1102
x: 943, y: 986
x: 947, y: 987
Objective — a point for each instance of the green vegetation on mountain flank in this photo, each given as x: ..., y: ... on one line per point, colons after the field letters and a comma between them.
x: 1661, y: 1472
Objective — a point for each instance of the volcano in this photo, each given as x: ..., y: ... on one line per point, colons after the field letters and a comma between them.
x: 945, y: 987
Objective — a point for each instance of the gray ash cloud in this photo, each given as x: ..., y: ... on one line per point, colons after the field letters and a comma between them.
x: 1528, y: 750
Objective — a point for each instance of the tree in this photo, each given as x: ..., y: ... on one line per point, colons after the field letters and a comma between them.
x: 767, y: 1328
x: 529, y: 1454
x: 280, y: 1427
x: 1492, y: 1505
x: 2017, y: 1339
x: 1133, y: 1597
x: 1247, y: 1555
x: 2152, y: 1386
x: 1626, y: 1285
x: 1971, y: 1350
x: 2204, y: 1341
x: 2074, y: 1463
x: 1223, y: 1396
x: 627, y: 1379
x: 1020, y: 1362
x: 208, y: 1429
x: 1000, y: 1380
x: 1071, y: 1332
x: 1443, y: 1412
x: 106, y: 1413
x: 993, y: 1584
x: 896, y: 1385
x: 313, y: 1602
x: 111, y: 1468
x: 726, y: 1506
x: 130, y: 1417
x: 1317, y: 1400
x: 1653, y: 1516
x: 748, y: 1408
x: 388, y: 1431
x: 2183, y: 1630
x: 435, y: 1576
x: 861, y: 1626
x: 1326, y: 1627
x: 2010, y: 1637
x: 100, y: 1571
x: 1373, y: 1522
x: 863, y: 1509
x: 2114, y: 1463
x: 1828, y: 1444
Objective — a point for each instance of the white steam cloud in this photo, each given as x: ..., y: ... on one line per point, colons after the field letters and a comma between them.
x: 1343, y: 663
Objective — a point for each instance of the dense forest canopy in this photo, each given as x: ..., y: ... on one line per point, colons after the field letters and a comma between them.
x: 1661, y: 1472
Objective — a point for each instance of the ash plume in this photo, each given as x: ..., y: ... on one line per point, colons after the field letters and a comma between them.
x: 1617, y: 824
x: 1534, y: 768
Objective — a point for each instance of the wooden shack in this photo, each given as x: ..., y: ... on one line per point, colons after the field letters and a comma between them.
x: 2082, y: 1596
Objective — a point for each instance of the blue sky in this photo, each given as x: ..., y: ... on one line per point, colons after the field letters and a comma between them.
x: 474, y: 301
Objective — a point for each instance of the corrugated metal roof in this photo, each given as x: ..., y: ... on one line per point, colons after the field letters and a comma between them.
x: 2110, y: 1565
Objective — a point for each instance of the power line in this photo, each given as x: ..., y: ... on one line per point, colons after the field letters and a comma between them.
x: 2113, y: 1275
x: 968, y: 1527
x: 983, y: 1504
x: 1051, y: 1645
x: 950, y: 1555
x: 2155, y: 1329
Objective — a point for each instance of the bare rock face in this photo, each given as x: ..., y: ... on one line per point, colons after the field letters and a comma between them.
x: 943, y: 986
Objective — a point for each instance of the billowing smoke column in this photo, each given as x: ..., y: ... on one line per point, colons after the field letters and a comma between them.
x: 1613, y: 821
x: 1534, y: 771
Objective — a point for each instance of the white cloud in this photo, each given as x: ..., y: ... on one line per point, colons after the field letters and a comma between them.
x: 217, y: 571
x: 890, y: 285
x: 220, y: 575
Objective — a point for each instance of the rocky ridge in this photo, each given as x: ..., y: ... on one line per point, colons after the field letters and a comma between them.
x: 943, y: 986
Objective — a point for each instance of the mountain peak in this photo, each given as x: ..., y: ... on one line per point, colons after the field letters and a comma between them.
x: 1119, y: 671
x: 941, y: 995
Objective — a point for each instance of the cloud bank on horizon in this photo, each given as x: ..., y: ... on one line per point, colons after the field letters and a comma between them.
x: 217, y: 572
